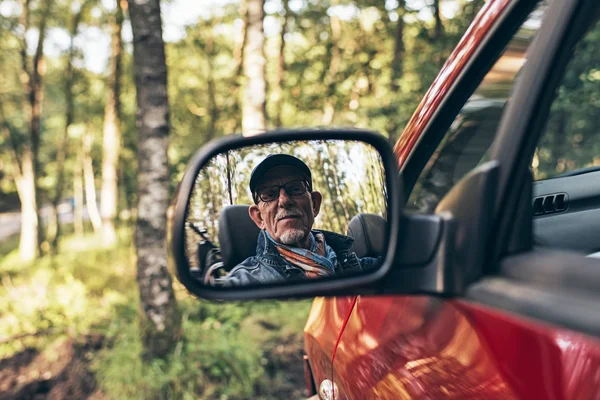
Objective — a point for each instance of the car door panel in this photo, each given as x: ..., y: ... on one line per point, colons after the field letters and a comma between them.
x: 574, y: 224
x: 414, y: 348
x: 554, y: 286
x: 536, y: 360
x: 325, y: 321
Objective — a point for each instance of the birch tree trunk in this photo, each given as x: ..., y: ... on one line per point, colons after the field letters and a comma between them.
x: 54, y: 230
x: 255, y: 96
x: 28, y: 242
x: 112, y: 134
x: 78, y: 197
x: 32, y: 79
x: 90, y: 185
x: 161, y: 321
x: 25, y: 182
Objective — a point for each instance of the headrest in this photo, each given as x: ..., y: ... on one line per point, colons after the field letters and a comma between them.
x: 369, y: 233
x: 237, y: 235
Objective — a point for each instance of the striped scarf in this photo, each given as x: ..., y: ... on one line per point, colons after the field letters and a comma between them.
x: 317, y: 262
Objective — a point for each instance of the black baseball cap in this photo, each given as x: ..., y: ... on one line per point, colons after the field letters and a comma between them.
x: 277, y: 160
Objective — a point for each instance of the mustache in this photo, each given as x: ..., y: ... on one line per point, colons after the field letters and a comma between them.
x: 290, y: 212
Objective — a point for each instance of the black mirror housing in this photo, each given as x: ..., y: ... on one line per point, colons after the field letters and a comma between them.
x: 346, y: 285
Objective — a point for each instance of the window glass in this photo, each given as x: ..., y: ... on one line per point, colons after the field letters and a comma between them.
x: 570, y: 143
x: 468, y: 139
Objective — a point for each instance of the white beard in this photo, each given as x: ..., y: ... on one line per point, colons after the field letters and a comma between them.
x: 292, y: 237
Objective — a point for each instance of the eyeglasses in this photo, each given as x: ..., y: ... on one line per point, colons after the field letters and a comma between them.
x: 292, y: 188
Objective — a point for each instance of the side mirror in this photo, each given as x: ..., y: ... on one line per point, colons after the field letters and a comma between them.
x: 290, y: 213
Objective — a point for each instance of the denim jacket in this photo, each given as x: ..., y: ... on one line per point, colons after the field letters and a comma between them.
x: 267, y: 266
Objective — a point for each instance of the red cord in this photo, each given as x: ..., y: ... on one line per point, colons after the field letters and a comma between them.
x: 337, y: 342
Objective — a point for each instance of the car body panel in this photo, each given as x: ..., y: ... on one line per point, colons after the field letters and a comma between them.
x: 537, y: 360
x: 321, y: 332
x: 415, y: 347
x: 425, y: 348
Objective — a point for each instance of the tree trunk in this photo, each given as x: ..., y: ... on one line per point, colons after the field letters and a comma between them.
x: 438, y: 35
x: 23, y: 177
x: 281, y: 66
x: 32, y: 78
x: 399, y: 48
x: 229, y: 179
x: 332, y: 70
x: 54, y: 229
x: 112, y: 135
x: 439, y: 26
x: 28, y: 244
x: 161, y: 321
x: 255, y: 95
x: 90, y: 185
x: 36, y: 97
x: 78, y: 197
x: 397, y: 67
x: 238, y: 56
x: 336, y: 181
x: 213, y: 109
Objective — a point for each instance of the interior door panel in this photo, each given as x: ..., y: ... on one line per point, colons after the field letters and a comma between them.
x: 567, y: 213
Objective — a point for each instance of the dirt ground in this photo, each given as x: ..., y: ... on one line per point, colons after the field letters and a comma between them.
x: 62, y: 373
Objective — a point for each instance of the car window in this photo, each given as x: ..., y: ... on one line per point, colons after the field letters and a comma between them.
x: 570, y: 143
x: 465, y: 144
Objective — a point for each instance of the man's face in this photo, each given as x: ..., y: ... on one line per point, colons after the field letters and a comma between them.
x: 288, y: 219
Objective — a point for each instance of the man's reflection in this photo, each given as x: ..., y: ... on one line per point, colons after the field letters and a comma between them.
x: 285, y: 207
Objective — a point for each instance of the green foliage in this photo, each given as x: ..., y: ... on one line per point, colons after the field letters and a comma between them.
x: 225, y: 350
x: 366, y: 89
x: 221, y: 353
x: 55, y: 296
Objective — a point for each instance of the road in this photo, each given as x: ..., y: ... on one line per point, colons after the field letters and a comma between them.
x: 10, y: 223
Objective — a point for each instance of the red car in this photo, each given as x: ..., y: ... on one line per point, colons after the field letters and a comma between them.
x: 527, y: 326
x: 490, y: 287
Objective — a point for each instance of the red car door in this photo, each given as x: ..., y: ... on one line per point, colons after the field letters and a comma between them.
x: 427, y: 347
x: 324, y: 330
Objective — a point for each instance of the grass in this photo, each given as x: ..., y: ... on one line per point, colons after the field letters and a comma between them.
x: 226, y: 350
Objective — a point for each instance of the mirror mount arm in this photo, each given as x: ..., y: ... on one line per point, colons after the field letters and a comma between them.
x: 424, y: 263
x: 441, y: 254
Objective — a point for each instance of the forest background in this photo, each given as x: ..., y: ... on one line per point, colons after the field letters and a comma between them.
x: 71, y: 322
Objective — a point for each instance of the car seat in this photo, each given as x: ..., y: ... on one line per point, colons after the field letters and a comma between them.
x: 238, y: 234
x: 369, y: 232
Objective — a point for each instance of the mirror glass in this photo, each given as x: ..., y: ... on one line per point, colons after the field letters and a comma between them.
x: 291, y: 211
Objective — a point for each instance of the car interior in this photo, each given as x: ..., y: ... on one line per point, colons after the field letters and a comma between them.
x: 566, y: 212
